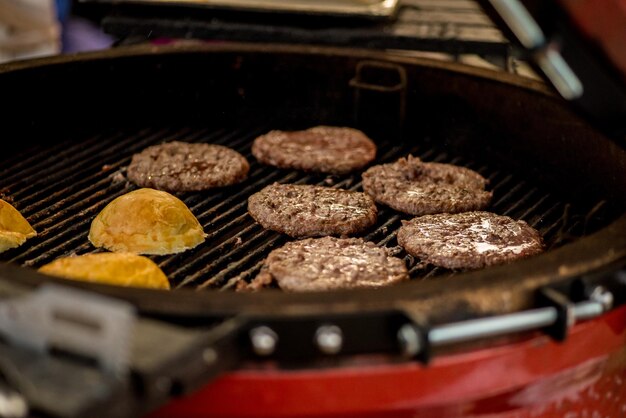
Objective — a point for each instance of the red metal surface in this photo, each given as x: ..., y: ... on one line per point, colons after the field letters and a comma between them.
x: 537, y: 377
x: 604, y: 21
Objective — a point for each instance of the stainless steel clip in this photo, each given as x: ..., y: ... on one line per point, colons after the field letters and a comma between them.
x: 74, y: 321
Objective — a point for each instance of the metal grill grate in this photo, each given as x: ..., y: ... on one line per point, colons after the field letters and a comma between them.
x: 61, y: 187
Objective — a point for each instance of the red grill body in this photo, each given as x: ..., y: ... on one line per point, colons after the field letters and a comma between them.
x: 535, y: 377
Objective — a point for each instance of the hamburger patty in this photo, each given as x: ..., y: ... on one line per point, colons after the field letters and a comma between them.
x: 324, y: 149
x: 469, y: 240
x: 418, y: 188
x: 329, y: 263
x: 308, y: 211
x: 184, y: 167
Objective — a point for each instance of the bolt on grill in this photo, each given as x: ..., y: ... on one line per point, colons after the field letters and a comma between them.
x: 60, y: 188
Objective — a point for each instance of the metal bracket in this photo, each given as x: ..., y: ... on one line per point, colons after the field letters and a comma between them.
x: 405, y: 332
x: 315, y: 337
x: 579, y: 299
x: 360, y: 80
x: 415, y: 342
x: 565, y: 314
x: 82, y: 323
x: 557, y: 314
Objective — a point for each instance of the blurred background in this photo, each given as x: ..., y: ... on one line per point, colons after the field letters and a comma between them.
x: 572, y: 43
x: 33, y: 28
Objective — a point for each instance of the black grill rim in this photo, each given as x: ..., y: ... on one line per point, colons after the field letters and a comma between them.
x: 477, y: 293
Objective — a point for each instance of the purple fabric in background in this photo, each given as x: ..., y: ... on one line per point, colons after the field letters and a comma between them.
x: 81, y: 35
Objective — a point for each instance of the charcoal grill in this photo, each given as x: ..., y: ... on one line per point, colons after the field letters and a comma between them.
x: 544, y: 164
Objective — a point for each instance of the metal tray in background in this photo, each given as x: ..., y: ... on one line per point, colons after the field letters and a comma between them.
x: 349, y: 8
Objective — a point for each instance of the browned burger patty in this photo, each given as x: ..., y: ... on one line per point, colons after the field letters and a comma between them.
x: 323, y: 149
x: 184, y: 167
x: 309, y: 211
x: 417, y: 188
x: 329, y: 263
x: 469, y: 240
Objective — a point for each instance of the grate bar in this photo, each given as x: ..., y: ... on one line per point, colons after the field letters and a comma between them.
x: 234, y: 241
x: 552, y: 232
x: 500, y: 185
x: 433, y: 272
x: 60, y: 174
x: 258, y: 252
x: 20, y: 159
x: 534, y: 207
x: 246, y: 275
x: 26, y: 178
x: 508, y: 197
x: 38, y: 159
x: 521, y: 202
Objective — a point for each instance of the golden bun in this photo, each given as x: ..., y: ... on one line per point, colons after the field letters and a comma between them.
x: 146, y: 221
x: 14, y: 229
x: 120, y: 269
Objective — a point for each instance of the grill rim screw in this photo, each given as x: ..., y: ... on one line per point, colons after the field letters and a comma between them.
x: 603, y: 296
x: 329, y: 339
x: 264, y: 340
x: 409, y: 340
